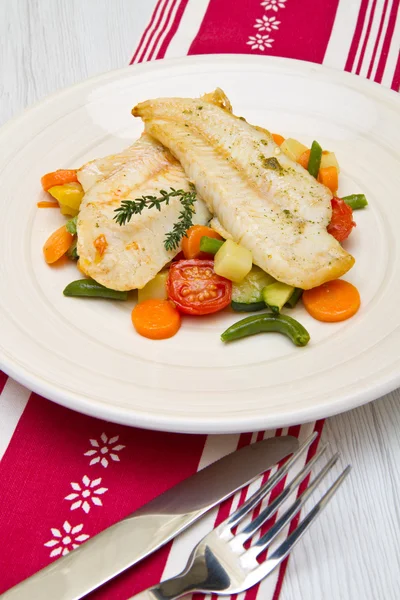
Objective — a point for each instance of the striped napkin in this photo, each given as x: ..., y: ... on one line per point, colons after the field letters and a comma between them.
x: 64, y: 476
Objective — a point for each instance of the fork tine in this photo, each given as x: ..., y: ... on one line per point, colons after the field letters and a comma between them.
x: 267, y: 538
x: 271, y: 509
x: 256, y: 498
x: 285, y: 548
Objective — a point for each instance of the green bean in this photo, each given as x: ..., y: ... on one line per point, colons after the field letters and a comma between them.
x: 294, y: 298
x: 247, y: 307
x: 268, y: 322
x: 314, y: 161
x: 91, y: 289
x: 356, y: 201
x: 210, y: 245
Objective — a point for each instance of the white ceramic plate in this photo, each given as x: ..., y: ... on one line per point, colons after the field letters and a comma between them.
x: 85, y: 354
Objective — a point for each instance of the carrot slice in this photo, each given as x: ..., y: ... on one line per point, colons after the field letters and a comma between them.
x: 156, y: 319
x: 50, y: 204
x: 278, y: 139
x: 304, y: 158
x: 57, y: 244
x: 58, y: 177
x: 333, y: 301
x: 191, y: 243
x: 329, y: 176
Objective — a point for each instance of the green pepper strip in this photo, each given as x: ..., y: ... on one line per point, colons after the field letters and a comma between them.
x: 314, y: 161
x: 267, y: 322
x: 356, y: 201
x: 91, y: 289
x: 210, y: 245
x: 244, y: 307
x: 294, y: 298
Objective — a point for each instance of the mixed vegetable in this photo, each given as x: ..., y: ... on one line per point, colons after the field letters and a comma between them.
x: 211, y: 274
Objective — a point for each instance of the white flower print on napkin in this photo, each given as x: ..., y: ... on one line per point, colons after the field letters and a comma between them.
x: 104, y: 448
x: 260, y: 42
x: 273, y: 4
x: 86, y: 494
x: 66, y: 539
x: 267, y: 24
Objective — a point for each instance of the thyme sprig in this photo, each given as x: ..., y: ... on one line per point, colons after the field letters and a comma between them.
x: 128, y: 208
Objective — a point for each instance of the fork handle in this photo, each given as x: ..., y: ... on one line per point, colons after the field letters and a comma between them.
x: 170, y: 589
x: 155, y: 593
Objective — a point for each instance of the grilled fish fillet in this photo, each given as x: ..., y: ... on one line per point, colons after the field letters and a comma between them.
x: 265, y: 201
x: 127, y: 257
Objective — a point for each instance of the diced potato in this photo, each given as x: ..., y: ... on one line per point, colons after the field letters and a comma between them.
x: 329, y: 160
x: 293, y: 149
x: 156, y: 288
x: 233, y: 261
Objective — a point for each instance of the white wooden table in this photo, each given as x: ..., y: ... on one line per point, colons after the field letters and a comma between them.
x: 353, y: 552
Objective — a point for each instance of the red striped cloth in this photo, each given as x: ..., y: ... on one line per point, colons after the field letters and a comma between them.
x: 63, y: 476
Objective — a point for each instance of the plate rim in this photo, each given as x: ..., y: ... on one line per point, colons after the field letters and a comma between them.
x: 186, y: 424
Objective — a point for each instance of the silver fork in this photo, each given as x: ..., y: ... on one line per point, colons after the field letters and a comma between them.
x: 221, y: 564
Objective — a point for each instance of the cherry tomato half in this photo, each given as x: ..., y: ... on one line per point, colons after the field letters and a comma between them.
x: 195, y: 288
x: 342, y: 220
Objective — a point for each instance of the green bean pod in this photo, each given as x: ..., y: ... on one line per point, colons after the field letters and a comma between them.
x: 247, y: 307
x: 294, y: 298
x: 91, y: 289
x: 265, y: 323
x: 314, y: 162
x: 355, y: 201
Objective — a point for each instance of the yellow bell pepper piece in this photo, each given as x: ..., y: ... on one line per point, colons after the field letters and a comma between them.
x: 69, y: 197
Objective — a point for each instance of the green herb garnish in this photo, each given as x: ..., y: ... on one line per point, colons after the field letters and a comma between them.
x: 129, y: 208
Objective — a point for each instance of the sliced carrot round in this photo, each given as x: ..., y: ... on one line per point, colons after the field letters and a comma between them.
x: 278, y: 139
x: 156, y: 319
x: 58, y: 177
x: 332, y: 301
x: 57, y: 244
x: 191, y: 242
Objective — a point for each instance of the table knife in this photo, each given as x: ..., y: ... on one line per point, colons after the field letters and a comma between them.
x: 133, y: 538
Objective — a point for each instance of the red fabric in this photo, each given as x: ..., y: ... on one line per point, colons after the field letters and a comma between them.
x: 304, y: 28
x: 176, y: 22
x: 154, y: 23
x: 47, y: 453
x: 378, y: 37
x: 3, y: 379
x: 396, y: 76
x: 388, y: 40
x: 357, y: 35
x: 367, y: 34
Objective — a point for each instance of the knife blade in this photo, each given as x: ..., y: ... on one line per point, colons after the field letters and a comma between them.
x: 133, y: 538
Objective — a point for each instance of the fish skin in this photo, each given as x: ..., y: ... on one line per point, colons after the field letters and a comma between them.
x: 134, y: 253
x: 267, y: 202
